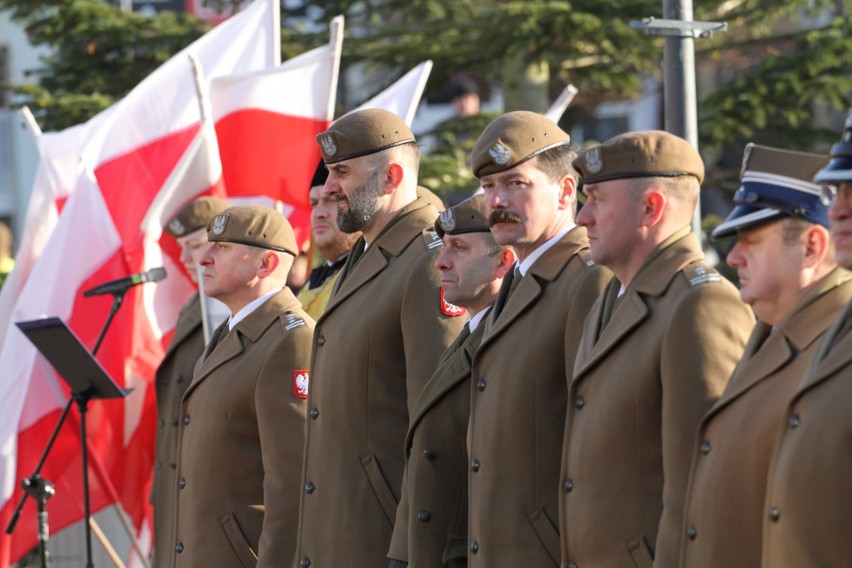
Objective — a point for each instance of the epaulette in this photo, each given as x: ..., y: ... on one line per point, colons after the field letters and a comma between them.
x: 292, y: 321
x: 586, y: 256
x: 431, y: 238
x: 699, y: 274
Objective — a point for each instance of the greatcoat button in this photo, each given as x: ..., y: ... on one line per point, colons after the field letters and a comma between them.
x: 179, y: 547
x: 180, y: 379
x: 705, y: 447
x: 186, y: 419
x: 474, y: 465
x: 572, y: 565
x: 474, y: 546
x: 314, y: 413
x: 579, y: 402
x: 182, y: 482
x: 429, y: 454
x: 305, y: 562
x: 310, y: 487
x: 158, y: 465
x: 480, y: 384
x: 568, y: 485
x: 424, y: 516
x: 794, y: 420
x: 320, y: 342
x: 691, y: 533
x: 774, y: 514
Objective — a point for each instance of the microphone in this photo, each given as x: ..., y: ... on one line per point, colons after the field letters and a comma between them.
x: 123, y: 284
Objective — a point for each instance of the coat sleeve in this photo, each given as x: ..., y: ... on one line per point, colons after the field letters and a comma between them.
x: 426, y: 330
x: 281, y: 425
x: 703, y: 343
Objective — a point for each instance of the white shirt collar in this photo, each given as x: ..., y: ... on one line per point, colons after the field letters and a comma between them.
x: 249, y: 308
x: 474, y: 321
x: 523, y: 267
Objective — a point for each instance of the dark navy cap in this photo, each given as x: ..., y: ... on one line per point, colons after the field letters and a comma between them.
x: 839, y: 167
x: 774, y: 184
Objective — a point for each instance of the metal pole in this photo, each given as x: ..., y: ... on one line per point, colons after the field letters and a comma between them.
x: 680, y: 98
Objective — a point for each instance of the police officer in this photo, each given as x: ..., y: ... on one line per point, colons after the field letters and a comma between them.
x: 241, y: 431
x: 656, y: 352
x: 376, y: 344
x: 808, y: 496
x: 788, y: 275
x: 189, y: 228
x: 431, y: 520
x: 523, y: 162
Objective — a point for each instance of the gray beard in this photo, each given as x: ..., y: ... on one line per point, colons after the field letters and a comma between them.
x: 364, y: 203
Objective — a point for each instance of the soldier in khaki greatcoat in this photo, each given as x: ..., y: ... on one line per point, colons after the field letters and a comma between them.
x: 809, y: 493
x: 788, y: 274
x: 242, y: 419
x: 431, y: 521
x: 375, y: 346
x: 657, y: 350
x: 523, y: 162
x: 189, y: 227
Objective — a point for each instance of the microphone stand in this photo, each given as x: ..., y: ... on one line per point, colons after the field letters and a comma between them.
x: 40, y: 488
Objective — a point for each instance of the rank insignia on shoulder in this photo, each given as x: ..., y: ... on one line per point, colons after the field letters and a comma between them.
x: 301, y: 383
x: 292, y: 321
x: 449, y: 309
x: 586, y: 257
x: 431, y: 238
x: 698, y: 275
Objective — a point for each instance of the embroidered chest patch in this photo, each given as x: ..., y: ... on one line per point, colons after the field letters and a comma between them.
x: 449, y: 309
x: 301, y: 383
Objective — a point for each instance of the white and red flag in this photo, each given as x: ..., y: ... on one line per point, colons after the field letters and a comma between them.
x: 403, y: 96
x: 108, y: 229
x: 267, y: 123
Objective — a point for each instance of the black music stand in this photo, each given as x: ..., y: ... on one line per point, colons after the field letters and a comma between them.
x: 88, y: 380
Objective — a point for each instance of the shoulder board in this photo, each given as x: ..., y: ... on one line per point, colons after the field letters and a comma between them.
x: 699, y: 274
x: 291, y: 321
x: 431, y: 238
x: 586, y: 256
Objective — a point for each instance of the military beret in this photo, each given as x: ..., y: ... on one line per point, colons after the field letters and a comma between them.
x: 255, y: 225
x: 514, y: 138
x: 363, y: 132
x: 320, y: 175
x: 195, y: 215
x: 839, y: 168
x: 466, y: 217
x: 775, y: 183
x: 649, y: 153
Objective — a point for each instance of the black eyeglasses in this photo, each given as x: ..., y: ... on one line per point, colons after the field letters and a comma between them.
x: 828, y: 192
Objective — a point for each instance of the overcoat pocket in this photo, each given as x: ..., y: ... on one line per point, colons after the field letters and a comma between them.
x: 380, y: 487
x: 243, y: 550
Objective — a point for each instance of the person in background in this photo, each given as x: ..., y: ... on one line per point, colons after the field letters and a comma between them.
x: 7, y: 262
x: 431, y: 520
x: 189, y: 228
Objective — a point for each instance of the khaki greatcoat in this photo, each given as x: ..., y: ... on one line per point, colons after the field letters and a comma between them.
x: 519, y: 389
x: 172, y: 379
x: 724, y: 508
x: 241, y: 439
x: 375, y: 346
x: 809, y: 492
x: 431, y: 520
x: 640, y: 387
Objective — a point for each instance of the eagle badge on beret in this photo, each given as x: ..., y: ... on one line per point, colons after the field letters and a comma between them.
x: 447, y: 221
x: 500, y: 154
x: 219, y: 222
x: 177, y: 227
x: 594, y: 160
x: 328, y: 145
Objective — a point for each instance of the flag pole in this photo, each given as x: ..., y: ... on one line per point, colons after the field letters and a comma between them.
x: 275, y: 35
x: 562, y: 102
x: 336, y: 42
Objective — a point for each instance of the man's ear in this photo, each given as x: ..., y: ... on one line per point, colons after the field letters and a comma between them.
x: 393, y: 178
x: 654, y: 203
x: 269, y: 262
x: 817, y: 244
x: 567, y: 192
x: 507, y: 260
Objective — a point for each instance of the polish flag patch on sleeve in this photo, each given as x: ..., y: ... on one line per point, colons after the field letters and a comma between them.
x: 449, y: 309
x: 301, y: 383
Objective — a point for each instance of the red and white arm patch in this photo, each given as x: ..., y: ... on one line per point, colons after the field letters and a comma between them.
x: 449, y: 309
x: 301, y: 383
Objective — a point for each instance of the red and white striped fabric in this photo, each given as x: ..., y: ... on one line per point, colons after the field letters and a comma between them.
x: 267, y: 123
x: 109, y: 228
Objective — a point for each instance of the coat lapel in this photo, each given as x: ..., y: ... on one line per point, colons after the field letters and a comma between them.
x: 834, y: 353
x: 189, y: 320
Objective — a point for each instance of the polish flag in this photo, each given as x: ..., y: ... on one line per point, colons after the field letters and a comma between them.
x: 109, y: 225
x: 403, y: 96
x: 267, y: 123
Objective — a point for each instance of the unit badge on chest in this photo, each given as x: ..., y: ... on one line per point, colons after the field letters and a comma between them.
x: 301, y: 383
x: 449, y: 309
